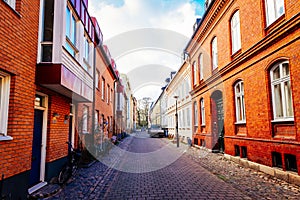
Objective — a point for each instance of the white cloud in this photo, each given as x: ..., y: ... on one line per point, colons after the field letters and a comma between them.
x: 175, y: 15
x: 120, y: 16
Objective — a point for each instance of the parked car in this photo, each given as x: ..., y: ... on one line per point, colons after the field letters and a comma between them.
x: 156, y: 131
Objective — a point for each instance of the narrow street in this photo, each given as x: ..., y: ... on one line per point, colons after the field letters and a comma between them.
x: 182, y: 179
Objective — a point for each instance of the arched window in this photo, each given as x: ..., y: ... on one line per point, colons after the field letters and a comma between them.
x: 235, y: 32
x: 281, y: 91
x: 239, y: 102
x: 214, y: 53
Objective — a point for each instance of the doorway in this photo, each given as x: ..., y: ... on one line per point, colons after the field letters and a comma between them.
x: 217, y: 122
x: 38, y: 156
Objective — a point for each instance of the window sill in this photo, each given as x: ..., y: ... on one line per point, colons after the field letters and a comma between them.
x: 235, y: 54
x: 6, y: 138
x: 274, y: 24
x: 282, y: 120
x: 240, y: 123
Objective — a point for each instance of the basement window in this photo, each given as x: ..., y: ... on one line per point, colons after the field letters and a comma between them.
x: 277, y: 159
x: 244, y: 152
x: 290, y: 162
x: 236, y: 150
x: 195, y: 141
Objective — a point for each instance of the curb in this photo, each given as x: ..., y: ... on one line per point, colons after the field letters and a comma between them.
x: 289, y: 177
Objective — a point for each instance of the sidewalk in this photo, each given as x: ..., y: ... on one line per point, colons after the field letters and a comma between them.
x: 253, y: 183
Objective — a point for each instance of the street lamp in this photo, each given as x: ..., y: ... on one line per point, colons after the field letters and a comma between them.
x: 176, y: 118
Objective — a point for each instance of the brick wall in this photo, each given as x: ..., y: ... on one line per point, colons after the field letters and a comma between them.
x: 18, y: 44
x: 101, y: 105
x: 251, y: 65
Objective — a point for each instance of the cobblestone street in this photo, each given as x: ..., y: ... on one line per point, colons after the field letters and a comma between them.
x: 195, y: 174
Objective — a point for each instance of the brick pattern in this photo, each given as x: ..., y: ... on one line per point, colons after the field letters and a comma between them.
x: 102, y: 106
x: 19, y: 36
x: 258, y: 135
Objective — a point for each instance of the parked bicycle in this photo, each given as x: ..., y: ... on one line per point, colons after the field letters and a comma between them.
x: 71, y: 167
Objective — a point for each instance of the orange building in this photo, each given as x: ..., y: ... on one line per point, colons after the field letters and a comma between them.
x: 244, y: 56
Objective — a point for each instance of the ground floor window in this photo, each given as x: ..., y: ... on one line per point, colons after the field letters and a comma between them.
x: 4, y: 104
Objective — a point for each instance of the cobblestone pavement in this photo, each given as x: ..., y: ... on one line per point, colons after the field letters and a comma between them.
x: 196, y: 174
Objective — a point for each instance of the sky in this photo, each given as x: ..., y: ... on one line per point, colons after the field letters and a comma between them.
x: 125, y: 21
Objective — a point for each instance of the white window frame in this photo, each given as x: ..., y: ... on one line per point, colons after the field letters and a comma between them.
x: 97, y: 79
x: 85, y: 114
x: 281, y: 81
x: 195, y: 114
x: 70, y: 41
x: 195, y: 72
x: 202, y: 112
x: 273, y: 11
x: 96, y: 119
x: 200, y: 61
x: 107, y: 94
x: 103, y: 88
x: 11, y: 3
x: 240, y: 111
x: 188, y: 116
x: 4, y: 105
x: 235, y: 32
x: 214, y: 53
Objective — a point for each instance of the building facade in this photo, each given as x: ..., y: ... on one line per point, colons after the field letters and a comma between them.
x: 19, y: 24
x: 244, y: 58
x: 177, y: 93
x: 47, y: 88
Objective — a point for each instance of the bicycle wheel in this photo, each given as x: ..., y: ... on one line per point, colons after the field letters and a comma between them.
x: 64, y: 174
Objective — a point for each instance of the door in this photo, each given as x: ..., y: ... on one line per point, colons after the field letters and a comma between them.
x: 220, y: 122
x: 217, y: 122
x: 36, y: 147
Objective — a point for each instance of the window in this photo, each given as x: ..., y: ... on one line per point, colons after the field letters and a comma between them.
x: 107, y: 94
x: 239, y: 102
x: 85, y: 119
x: 214, y: 52
x: 236, y: 150
x: 201, y: 66
x: 235, y: 32
x: 97, y: 79
x: 86, y: 55
x: 4, y: 104
x: 274, y: 9
x: 70, y: 32
x: 195, y: 114
x: 103, y: 89
x: 202, y: 112
x: 290, y: 162
x: 47, y: 31
x: 281, y: 92
x: 96, y: 119
x: 195, y: 72
x: 11, y: 3
x: 188, y: 117
x: 111, y: 95
x: 277, y: 159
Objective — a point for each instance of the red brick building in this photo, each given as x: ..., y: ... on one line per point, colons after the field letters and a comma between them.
x: 46, y: 72
x: 105, y: 78
x: 18, y: 43
x: 245, y: 62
